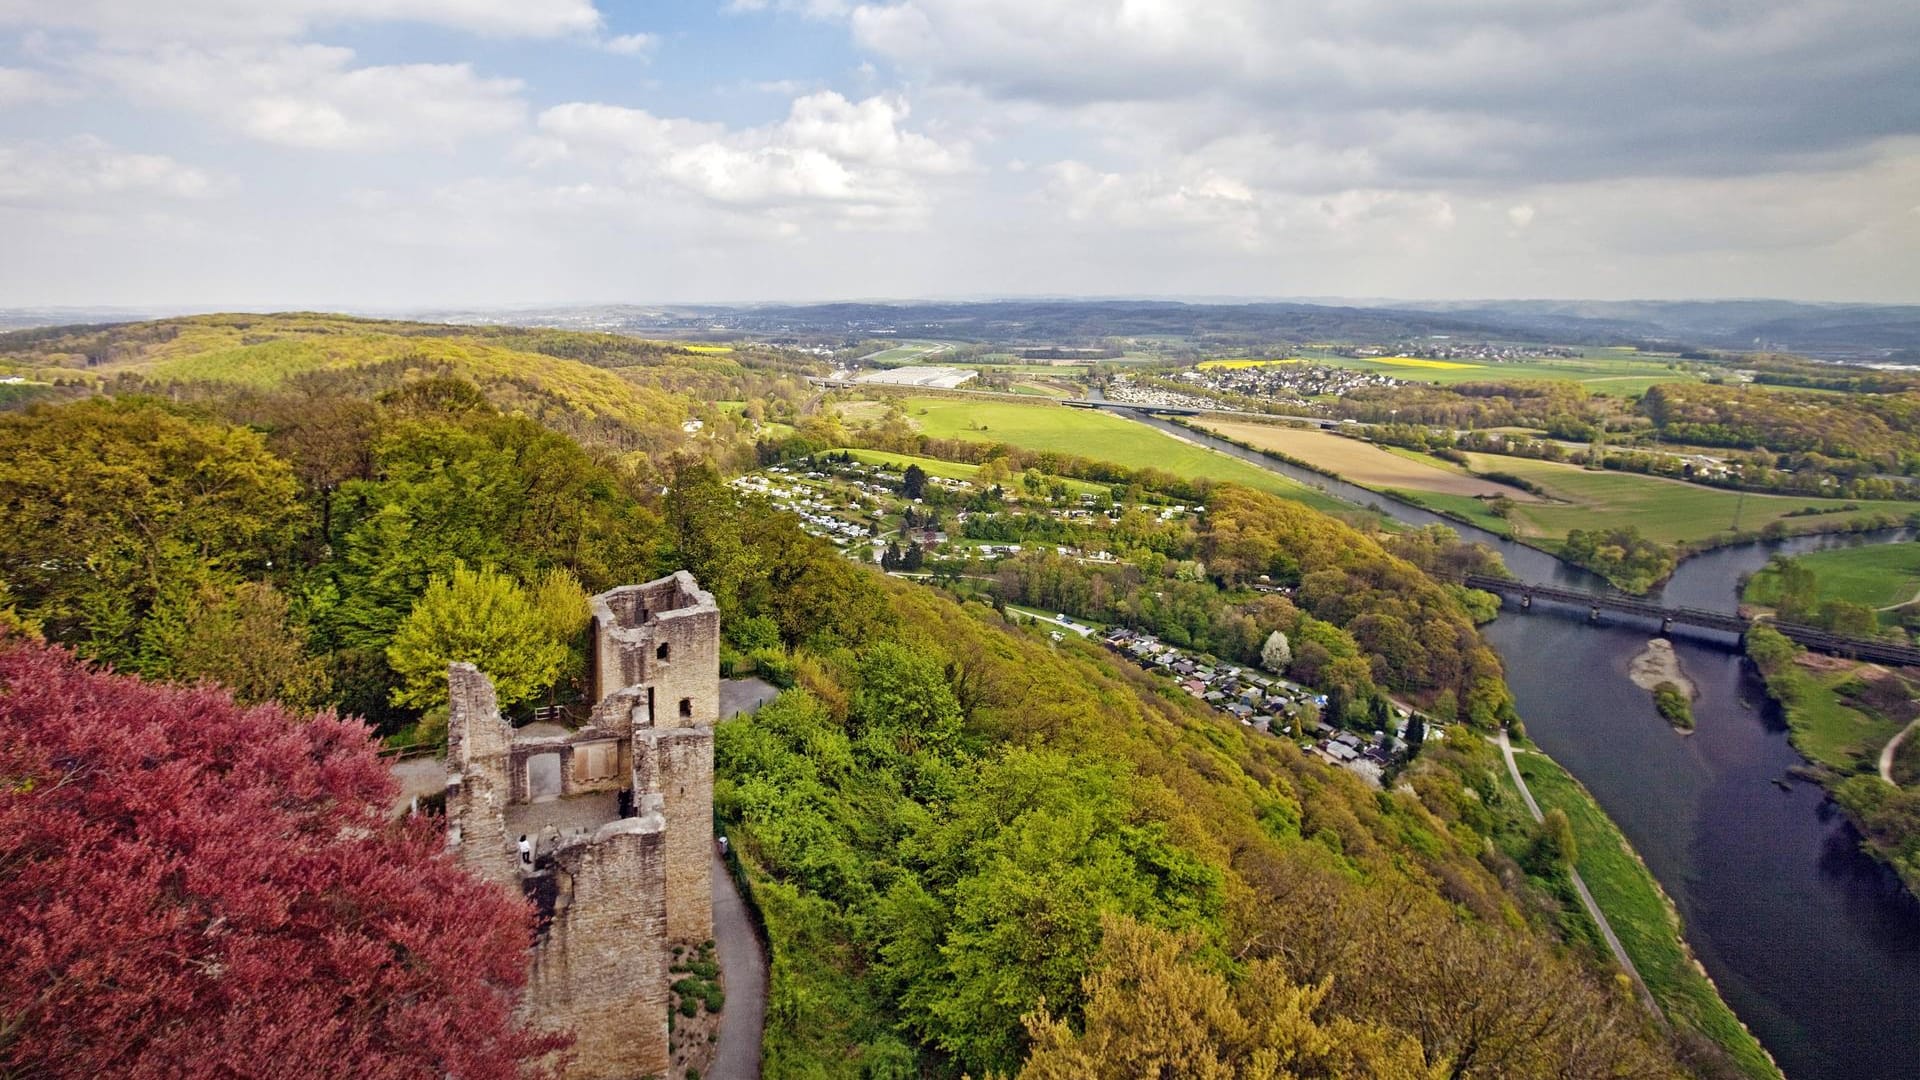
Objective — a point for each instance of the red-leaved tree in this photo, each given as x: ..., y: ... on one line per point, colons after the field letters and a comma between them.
x: 189, y: 888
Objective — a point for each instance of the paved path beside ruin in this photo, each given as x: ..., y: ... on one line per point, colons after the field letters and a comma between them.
x: 743, y: 971
x: 419, y: 778
x: 745, y: 695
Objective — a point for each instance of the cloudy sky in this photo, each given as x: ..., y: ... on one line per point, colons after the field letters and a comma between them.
x: 389, y: 154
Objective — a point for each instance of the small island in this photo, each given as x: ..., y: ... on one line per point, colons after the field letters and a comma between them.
x: 1674, y: 705
x: 1657, y: 669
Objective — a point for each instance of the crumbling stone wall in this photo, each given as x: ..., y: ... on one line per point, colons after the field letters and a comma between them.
x: 602, y: 971
x: 479, y: 789
x: 664, y: 636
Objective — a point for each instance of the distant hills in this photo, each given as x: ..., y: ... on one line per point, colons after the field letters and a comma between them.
x: 1849, y: 332
x: 1854, y: 332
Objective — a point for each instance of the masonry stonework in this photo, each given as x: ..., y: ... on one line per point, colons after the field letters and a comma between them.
x: 606, y: 827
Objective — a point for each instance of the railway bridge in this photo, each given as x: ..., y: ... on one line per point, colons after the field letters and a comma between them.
x: 1811, y: 637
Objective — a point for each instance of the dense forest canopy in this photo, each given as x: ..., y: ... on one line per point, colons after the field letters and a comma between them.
x: 965, y: 838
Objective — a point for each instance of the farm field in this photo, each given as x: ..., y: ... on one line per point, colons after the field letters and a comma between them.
x: 1465, y: 507
x: 1361, y: 462
x: 1241, y: 365
x: 1642, y: 916
x: 1616, y: 374
x: 1087, y: 433
x: 1042, y: 389
x: 1665, y: 511
x: 1878, y: 576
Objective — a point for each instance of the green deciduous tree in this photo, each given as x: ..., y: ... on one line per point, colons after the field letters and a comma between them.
x: 241, y: 636
x: 104, y: 502
x: 481, y: 617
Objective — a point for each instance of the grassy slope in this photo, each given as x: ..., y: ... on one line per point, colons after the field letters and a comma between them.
x: 1666, y: 511
x: 1465, y: 507
x: 1642, y: 916
x: 1877, y: 575
x: 1092, y: 434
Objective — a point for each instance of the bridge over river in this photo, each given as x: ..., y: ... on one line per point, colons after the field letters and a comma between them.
x: 1812, y: 637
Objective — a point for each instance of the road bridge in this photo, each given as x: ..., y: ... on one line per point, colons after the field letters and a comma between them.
x: 1811, y: 637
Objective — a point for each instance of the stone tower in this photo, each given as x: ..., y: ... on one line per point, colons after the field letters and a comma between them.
x: 606, y: 827
x: 657, y: 647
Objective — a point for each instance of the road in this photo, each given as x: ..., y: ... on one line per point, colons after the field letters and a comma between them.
x: 743, y: 972
x: 1065, y: 624
x: 1892, y: 747
x: 1579, y: 886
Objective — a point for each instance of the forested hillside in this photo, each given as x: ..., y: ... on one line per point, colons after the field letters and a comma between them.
x: 977, y: 851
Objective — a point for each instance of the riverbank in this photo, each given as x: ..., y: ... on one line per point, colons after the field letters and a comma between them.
x: 1644, y: 919
x: 1846, y: 718
x: 1779, y: 903
x: 1641, y: 919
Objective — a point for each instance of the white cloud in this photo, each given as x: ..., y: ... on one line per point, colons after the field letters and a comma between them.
x: 813, y: 9
x: 21, y: 86
x: 200, y: 20
x: 312, y: 96
x: 82, y: 170
x: 850, y: 161
x: 631, y: 44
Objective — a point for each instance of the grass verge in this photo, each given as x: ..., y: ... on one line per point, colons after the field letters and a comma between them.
x: 1643, y: 917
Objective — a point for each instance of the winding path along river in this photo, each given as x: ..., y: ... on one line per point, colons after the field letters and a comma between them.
x: 1813, y: 943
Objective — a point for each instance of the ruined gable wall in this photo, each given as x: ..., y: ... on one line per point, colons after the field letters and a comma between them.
x: 603, y: 970
x: 479, y: 788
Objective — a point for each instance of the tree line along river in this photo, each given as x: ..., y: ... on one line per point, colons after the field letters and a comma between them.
x: 1814, y: 944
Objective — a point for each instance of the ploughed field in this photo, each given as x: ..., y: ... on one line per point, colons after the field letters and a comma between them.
x: 1361, y: 462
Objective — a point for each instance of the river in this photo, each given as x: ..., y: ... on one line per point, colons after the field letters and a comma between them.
x: 1812, y: 942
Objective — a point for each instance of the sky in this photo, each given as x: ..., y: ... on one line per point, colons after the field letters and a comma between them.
x: 404, y: 154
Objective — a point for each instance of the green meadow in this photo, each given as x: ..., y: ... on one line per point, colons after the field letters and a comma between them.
x: 1665, y: 511
x: 1102, y: 436
x: 1876, y: 576
x: 1615, y: 373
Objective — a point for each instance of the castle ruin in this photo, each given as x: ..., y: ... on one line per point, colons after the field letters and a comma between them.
x: 607, y: 827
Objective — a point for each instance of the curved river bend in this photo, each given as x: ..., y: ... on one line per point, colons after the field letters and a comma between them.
x: 1813, y: 943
